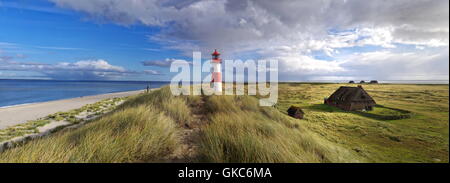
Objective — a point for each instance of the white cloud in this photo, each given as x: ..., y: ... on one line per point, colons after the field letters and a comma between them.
x: 84, y: 69
x: 8, y: 45
x: 386, y: 65
x: 89, y: 65
x: 162, y: 63
x: 152, y: 49
x: 306, y: 65
x: 380, y: 65
x: 291, y: 30
x: 58, y: 48
x: 376, y: 36
x: 152, y: 72
x: 5, y: 58
x: 232, y: 24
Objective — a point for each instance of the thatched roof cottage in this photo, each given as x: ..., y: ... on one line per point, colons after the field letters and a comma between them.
x: 295, y: 112
x: 351, y: 99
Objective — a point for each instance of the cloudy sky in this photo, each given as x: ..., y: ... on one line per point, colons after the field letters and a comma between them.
x: 138, y: 39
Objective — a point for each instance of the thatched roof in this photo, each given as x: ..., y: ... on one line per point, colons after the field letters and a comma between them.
x: 351, y: 94
x: 295, y: 112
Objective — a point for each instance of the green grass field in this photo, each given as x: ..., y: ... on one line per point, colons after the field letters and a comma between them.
x: 410, y: 124
x: 419, y: 135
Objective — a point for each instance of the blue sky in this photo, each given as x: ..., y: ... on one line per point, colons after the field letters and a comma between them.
x: 37, y: 31
x: 111, y: 39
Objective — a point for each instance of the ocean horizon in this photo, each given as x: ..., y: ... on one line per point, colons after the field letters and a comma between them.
x: 25, y: 91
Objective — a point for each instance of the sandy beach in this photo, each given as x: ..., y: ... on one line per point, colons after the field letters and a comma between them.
x: 13, y: 115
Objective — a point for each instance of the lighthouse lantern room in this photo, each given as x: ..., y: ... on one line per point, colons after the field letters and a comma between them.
x: 216, y: 74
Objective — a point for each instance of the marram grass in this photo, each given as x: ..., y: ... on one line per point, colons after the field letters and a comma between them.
x: 128, y: 135
x: 241, y: 131
x: 147, y: 128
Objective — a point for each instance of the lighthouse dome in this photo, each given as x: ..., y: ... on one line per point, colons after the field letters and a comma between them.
x: 216, y: 53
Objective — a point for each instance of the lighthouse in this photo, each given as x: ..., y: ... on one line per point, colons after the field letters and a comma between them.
x: 216, y: 74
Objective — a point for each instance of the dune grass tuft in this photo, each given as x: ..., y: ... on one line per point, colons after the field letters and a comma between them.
x: 130, y: 134
x: 241, y: 131
x: 163, y: 100
x: 149, y: 128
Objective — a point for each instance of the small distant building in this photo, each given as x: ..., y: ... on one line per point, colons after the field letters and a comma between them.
x: 362, y: 81
x: 296, y: 112
x: 351, y: 82
x: 373, y: 82
x: 351, y: 99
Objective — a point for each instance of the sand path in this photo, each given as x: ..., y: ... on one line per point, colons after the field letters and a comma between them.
x: 10, y: 116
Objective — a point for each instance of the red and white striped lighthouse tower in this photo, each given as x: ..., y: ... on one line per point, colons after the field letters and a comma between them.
x: 216, y: 74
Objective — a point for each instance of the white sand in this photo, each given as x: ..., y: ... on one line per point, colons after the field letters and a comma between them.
x: 10, y: 116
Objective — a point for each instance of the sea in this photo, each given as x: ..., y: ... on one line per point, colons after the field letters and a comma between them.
x: 21, y: 91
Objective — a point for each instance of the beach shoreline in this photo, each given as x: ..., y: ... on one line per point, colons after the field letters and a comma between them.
x: 21, y: 113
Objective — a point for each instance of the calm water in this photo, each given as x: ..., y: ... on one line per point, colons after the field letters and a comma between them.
x: 14, y: 92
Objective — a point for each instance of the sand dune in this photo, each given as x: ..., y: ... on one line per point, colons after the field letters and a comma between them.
x: 10, y: 116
